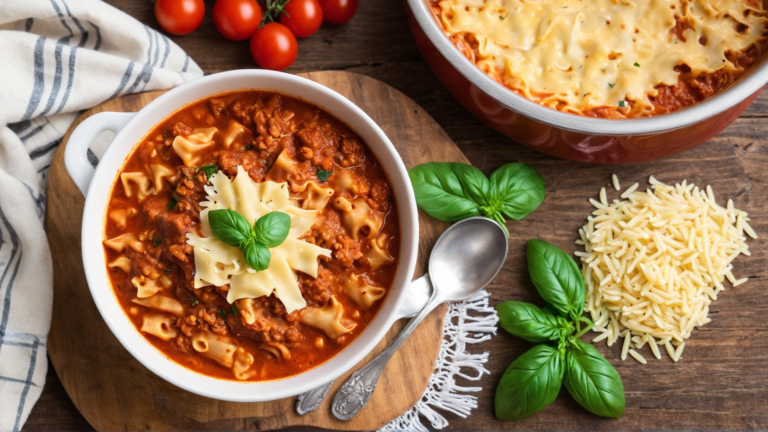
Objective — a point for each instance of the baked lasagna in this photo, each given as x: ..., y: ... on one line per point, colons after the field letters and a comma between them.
x: 608, y: 58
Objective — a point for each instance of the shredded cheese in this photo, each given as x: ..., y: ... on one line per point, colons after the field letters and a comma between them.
x: 654, y: 261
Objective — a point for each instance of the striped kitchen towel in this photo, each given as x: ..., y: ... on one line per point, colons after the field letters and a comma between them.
x: 59, y: 57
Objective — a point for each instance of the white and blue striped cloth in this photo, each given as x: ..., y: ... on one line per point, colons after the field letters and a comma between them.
x: 59, y: 57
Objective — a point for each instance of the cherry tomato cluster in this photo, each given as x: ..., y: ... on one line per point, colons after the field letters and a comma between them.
x: 273, y: 32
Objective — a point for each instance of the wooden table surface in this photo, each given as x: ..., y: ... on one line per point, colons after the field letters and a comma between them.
x: 378, y: 43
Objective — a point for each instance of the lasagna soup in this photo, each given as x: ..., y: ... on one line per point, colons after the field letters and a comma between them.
x: 608, y: 58
x: 192, y: 295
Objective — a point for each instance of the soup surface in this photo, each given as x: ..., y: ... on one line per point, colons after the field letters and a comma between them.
x: 608, y: 58
x: 194, y: 297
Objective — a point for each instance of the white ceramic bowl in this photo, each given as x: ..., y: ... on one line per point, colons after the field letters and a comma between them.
x: 132, y: 127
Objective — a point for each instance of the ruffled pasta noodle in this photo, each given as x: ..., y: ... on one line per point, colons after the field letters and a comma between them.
x: 329, y: 319
x: 218, y: 263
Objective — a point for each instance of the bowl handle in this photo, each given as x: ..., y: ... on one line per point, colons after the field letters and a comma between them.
x: 75, y: 155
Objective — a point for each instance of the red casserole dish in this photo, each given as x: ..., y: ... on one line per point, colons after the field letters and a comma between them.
x: 571, y: 136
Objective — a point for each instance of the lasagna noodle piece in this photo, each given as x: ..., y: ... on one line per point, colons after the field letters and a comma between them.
x: 329, y: 319
x: 123, y: 241
x: 242, y: 364
x: 162, y: 303
x: 314, y: 197
x: 578, y: 55
x: 123, y: 263
x: 358, y: 217
x: 363, y: 294
x: 217, y: 263
x: 137, y: 183
x: 218, y: 348
x: 159, y: 325
x: 378, y: 255
x: 159, y: 173
x: 190, y: 147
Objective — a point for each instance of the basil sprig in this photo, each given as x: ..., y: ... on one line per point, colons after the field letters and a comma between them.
x: 267, y: 232
x: 533, y: 380
x: 454, y: 191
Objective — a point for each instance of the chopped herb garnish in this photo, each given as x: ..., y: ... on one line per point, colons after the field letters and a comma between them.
x: 248, y: 147
x: 167, y: 270
x: 323, y: 175
x: 194, y: 301
x: 234, y: 310
x: 637, y: 64
x: 503, y: 17
x: 611, y: 85
x: 222, y: 312
x: 208, y: 170
x: 621, y: 104
x: 157, y: 241
x: 585, y: 94
x: 171, y: 204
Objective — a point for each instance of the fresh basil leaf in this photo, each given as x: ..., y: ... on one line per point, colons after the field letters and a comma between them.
x: 446, y: 191
x: 229, y: 226
x: 323, y: 175
x: 171, y: 204
x: 257, y: 256
x: 530, y: 383
x: 593, y: 382
x: 272, y: 229
x: 556, y: 277
x: 516, y: 190
x: 527, y: 321
x: 473, y: 181
x: 209, y: 170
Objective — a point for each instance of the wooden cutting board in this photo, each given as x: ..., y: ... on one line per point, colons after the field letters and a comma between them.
x: 114, y: 391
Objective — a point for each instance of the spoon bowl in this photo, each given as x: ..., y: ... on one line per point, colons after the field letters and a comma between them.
x: 464, y: 260
x: 467, y: 257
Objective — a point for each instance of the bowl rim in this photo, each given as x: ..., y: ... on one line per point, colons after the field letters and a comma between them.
x: 94, y: 257
x: 752, y: 81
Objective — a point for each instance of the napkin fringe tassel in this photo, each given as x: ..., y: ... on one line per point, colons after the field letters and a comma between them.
x: 468, y: 322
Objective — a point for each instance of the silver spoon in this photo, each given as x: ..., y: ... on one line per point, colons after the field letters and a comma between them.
x: 464, y: 260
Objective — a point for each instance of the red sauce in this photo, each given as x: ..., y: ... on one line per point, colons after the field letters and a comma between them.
x: 274, y: 123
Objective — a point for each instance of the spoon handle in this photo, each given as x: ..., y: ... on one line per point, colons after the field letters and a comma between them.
x: 357, y: 391
x: 309, y: 401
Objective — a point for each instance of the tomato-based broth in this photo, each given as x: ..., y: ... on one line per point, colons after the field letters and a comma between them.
x: 193, y: 296
x: 609, y: 59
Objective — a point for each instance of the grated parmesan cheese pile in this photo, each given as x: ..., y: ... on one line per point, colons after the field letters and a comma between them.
x: 654, y: 261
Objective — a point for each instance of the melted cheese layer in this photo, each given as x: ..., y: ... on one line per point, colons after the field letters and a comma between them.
x: 593, y: 53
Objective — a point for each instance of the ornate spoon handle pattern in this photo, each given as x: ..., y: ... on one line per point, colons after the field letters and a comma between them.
x: 309, y: 401
x: 357, y: 391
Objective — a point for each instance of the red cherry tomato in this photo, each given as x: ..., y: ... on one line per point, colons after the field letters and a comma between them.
x: 237, y: 19
x: 302, y: 17
x: 274, y: 47
x: 338, y: 11
x: 179, y: 17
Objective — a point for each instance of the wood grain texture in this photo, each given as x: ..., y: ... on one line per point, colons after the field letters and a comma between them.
x: 722, y: 381
x: 115, y: 392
